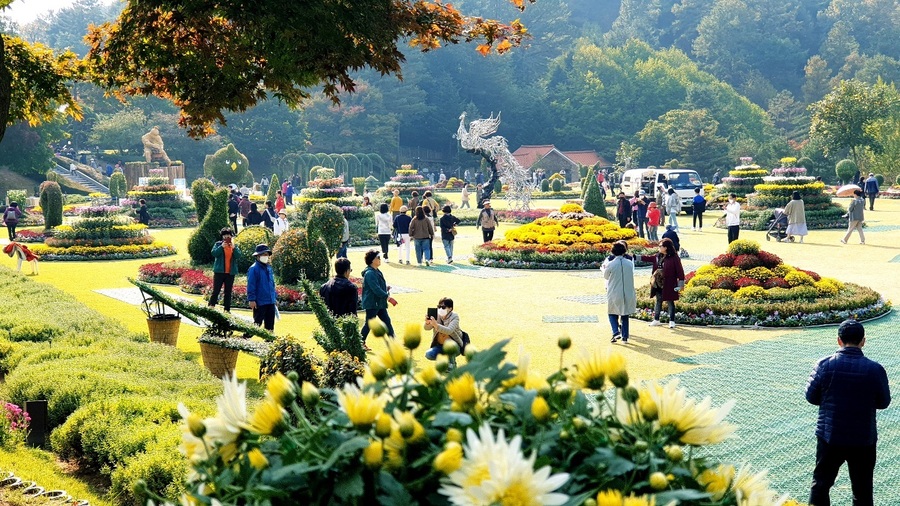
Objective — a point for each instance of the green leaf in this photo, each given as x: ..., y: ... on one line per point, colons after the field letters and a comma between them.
x: 290, y: 477
x: 685, y: 494
x: 448, y: 418
x: 350, y: 446
x: 349, y: 487
x: 392, y: 492
x: 615, y: 465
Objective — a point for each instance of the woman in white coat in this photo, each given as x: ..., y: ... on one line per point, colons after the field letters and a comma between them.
x: 621, y: 299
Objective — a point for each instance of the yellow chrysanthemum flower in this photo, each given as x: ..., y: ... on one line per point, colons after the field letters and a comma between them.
x: 412, y: 337
x: 269, y: 415
x: 717, y: 481
x: 281, y: 389
x: 257, y: 459
x: 590, y: 371
x: 309, y: 393
x: 616, y: 370
x: 540, y: 410
x: 395, y: 357
x: 394, y: 447
x: 462, y: 390
x: 450, y: 459
x: 428, y: 375
x: 647, y: 406
x: 609, y: 498
x: 373, y: 455
x: 361, y: 408
x: 753, y: 489
x: 697, y: 424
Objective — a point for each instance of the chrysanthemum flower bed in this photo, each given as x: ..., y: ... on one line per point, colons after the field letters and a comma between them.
x: 566, y: 239
x: 488, y: 432
x: 199, y: 282
x: 747, y: 286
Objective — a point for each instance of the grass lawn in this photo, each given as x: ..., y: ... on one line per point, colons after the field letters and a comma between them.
x: 525, y: 306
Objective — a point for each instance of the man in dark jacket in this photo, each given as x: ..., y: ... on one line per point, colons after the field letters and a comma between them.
x: 848, y: 388
x: 339, y: 293
x: 670, y: 233
x: 871, y: 188
x: 261, y: 294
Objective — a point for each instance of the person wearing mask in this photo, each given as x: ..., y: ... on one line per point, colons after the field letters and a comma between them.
x: 639, y: 206
x: 673, y: 206
x: 666, y: 280
x: 339, y: 293
x: 488, y: 222
x: 413, y: 202
x: 234, y: 209
x: 401, y: 225
x: 384, y: 227
x: 376, y: 294
x: 421, y: 231
x: 871, y: 187
x: 225, y: 261
x: 623, y: 210
x: 11, y: 218
x: 445, y: 326
x: 796, y: 213
x: 653, y: 219
x: 281, y: 224
x: 448, y: 225
x: 261, y: 288
x: 396, y: 203
x: 733, y: 218
x: 621, y: 298
x: 855, y: 217
x: 698, y: 207
x: 143, y: 214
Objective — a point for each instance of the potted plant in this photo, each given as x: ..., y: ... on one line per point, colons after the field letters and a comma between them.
x: 162, y: 324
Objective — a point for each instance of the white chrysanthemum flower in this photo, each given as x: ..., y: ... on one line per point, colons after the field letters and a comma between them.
x: 699, y: 424
x: 232, y: 404
x: 495, y: 471
x: 191, y: 446
x: 753, y: 489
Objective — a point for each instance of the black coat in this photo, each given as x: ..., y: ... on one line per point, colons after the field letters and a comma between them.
x: 340, y: 295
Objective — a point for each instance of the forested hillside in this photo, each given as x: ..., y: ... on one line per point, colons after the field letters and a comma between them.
x: 700, y: 81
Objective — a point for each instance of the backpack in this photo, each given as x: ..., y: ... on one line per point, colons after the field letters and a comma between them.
x: 465, y: 341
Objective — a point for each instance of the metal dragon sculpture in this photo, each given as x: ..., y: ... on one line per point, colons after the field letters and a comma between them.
x: 496, y: 151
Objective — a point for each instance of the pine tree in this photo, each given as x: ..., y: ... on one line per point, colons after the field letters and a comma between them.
x: 593, y: 202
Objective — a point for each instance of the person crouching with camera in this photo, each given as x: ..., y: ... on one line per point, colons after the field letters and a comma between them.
x: 445, y: 326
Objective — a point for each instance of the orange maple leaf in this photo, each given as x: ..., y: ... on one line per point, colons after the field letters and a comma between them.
x: 484, y: 49
x: 504, y: 47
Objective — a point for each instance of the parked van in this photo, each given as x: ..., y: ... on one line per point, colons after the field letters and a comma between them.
x: 683, y: 181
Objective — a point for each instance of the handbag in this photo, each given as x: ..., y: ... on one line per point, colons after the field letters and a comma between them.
x: 453, y: 231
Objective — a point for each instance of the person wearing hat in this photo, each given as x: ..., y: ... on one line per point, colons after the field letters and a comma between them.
x: 225, y: 266
x: 401, y: 227
x: 261, y: 288
x: 871, y: 189
x: 487, y: 220
x: 848, y: 388
x: 281, y: 223
x: 376, y: 294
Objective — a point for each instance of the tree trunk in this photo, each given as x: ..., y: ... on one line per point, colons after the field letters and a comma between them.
x: 5, y: 89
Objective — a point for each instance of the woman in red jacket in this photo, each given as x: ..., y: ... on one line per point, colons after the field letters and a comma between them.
x: 666, y: 279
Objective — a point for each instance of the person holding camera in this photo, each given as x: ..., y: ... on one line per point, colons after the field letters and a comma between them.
x: 225, y: 262
x: 443, y: 326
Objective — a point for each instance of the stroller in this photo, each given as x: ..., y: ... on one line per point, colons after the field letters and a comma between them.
x: 777, y: 226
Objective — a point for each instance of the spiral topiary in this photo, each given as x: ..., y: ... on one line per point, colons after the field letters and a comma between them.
x: 205, y: 236
x: 586, y: 181
x: 326, y: 221
x: 201, y: 190
x: 274, y: 187
x: 248, y: 239
x: 51, y: 204
x: 593, y: 200
x: 297, y: 253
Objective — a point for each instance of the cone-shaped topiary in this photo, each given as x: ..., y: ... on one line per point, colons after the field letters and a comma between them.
x: 593, y: 200
x: 248, y: 239
x: 202, y: 240
x: 296, y: 254
x: 227, y: 165
x: 118, y: 187
x: 201, y: 190
x: 586, y: 181
x: 51, y: 204
x: 326, y: 222
x: 274, y: 187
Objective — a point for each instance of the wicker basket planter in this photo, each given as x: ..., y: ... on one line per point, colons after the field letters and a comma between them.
x: 164, y: 328
x: 220, y: 361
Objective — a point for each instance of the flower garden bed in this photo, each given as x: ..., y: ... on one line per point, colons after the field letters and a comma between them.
x: 747, y: 286
x: 29, y: 236
x: 113, y: 252
x: 565, y: 239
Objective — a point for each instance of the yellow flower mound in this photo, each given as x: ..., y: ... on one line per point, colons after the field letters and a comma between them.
x: 797, y: 278
x: 549, y: 231
x: 751, y: 293
x: 571, y: 208
x: 828, y: 286
x: 759, y: 273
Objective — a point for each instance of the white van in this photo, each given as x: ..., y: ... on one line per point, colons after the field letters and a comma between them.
x: 683, y: 181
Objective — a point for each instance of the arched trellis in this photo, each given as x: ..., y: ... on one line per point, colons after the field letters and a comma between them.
x: 365, y: 164
x: 325, y: 160
x: 287, y: 166
x: 340, y: 165
x: 378, y: 165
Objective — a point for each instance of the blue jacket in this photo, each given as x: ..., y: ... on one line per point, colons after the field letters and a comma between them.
x: 848, y: 388
x: 374, y: 293
x: 260, y: 284
x: 871, y: 185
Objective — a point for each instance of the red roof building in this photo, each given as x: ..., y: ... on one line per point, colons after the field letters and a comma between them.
x: 550, y: 159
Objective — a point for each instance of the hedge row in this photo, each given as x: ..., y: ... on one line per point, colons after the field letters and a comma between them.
x: 112, y: 395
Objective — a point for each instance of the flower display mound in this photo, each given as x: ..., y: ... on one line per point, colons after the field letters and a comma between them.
x: 101, y: 233
x: 164, y: 203
x: 486, y: 432
x: 748, y: 286
x: 570, y: 238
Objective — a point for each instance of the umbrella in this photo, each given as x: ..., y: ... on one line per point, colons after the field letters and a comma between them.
x: 847, y: 190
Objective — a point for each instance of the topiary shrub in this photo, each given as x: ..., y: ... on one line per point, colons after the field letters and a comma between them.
x: 326, y: 222
x: 845, y: 170
x: 52, y: 176
x: 297, y: 254
x: 545, y: 185
x: 341, y: 368
x: 51, y: 204
x: 207, y: 233
x: 248, y: 239
x: 274, y: 187
x: 227, y: 165
x: 586, y: 181
x: 201, y: 190
x: 359, y: 185
x: 287, y: 354
x: 897, y: 180
x: 593, y: 201
x: 556, y: 185
x: 807, y: 164
x: 498, y: 186
x: 880, y: 179
x: 118, y: 187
